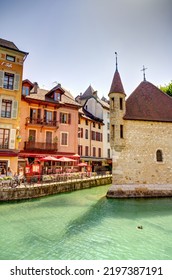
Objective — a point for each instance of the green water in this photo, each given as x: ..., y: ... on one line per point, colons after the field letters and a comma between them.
x: 84, y: 225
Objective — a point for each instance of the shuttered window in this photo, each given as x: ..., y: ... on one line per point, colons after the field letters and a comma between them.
x: 65, y: 118
x: 9, y: 80
x: 64, y: 139
x: 4, y: 138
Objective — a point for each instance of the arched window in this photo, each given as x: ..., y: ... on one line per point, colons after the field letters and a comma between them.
x: 159, y: 156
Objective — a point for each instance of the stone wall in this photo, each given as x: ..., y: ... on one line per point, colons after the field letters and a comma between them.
x: 136, y: 163
x: 136, y: 191
x: 39, y: 190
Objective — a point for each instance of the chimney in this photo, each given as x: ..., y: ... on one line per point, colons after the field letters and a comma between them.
x: 35, y: 87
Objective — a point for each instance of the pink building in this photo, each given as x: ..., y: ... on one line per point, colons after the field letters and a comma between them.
x: 49, y: 122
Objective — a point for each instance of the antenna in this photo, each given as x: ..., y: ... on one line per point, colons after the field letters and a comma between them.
x: 116, y: 61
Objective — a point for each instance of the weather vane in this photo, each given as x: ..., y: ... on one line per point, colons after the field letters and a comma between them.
x: 143, y: 69
x: 116, y: 61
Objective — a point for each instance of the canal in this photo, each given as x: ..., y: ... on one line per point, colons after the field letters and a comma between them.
x: 85, y: 225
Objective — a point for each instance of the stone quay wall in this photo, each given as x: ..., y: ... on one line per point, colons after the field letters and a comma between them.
x: 40, y: 190
x: 142, y: 191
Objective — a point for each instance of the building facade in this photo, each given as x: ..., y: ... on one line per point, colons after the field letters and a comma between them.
x: 11, y: 71
x: 95, y: 130
x: 49, y: 122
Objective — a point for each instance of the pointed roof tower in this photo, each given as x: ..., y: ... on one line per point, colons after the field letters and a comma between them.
x: 116, y: 86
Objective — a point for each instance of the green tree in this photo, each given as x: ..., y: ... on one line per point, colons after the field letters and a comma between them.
x: 167, y: 88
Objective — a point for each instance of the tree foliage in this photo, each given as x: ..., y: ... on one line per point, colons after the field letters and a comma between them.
x: 167, y: 88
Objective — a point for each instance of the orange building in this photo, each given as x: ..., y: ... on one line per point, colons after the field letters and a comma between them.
x: 11, y: 71
x: 49, y: 122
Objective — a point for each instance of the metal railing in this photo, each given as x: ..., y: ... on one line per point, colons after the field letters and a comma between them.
x: 31, y: 145
x: 50, y: 179
x: 42, y: 122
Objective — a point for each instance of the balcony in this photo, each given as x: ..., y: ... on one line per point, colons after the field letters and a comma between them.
x: 39, y: 146
x: 41, y: 122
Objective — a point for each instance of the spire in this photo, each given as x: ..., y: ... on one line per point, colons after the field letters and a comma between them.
x: 143, y: 69
x: 116, y: 86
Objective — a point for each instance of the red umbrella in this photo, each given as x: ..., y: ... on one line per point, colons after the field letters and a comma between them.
x: 65, y: 159
x: 49, y: 158
x: 82, y: 164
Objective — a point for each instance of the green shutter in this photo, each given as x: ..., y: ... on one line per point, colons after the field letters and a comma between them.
x: 1, y: 78
x: 14, y: 109
x: 12, y: 141
x: 16, y: 81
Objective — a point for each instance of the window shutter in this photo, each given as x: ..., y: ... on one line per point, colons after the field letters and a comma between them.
x: 16, y: 81
x: 1, y: 78
x: 60, y: 117
x: 12, y: 139
x: 69, y: 118
x: 14, y: 109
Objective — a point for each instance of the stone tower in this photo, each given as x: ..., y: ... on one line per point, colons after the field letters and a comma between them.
x: 117, y: 129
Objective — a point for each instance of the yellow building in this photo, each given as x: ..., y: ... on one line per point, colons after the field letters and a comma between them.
x: 11, y: 70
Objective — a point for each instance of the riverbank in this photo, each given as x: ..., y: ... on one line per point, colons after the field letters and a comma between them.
x: 140, y: 190
x: 45, y: 189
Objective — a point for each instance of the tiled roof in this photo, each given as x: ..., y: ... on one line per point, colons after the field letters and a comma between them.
x: 67, y: 98
x: 116, y: 86
x: 9, y: 45
x: 148, y: 103
x: 89, y: 92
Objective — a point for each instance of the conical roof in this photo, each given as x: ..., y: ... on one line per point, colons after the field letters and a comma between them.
x: 116, y: 86
x: 149, y: 103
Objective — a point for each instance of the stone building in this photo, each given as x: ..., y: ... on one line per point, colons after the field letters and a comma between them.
x: 141, y: 133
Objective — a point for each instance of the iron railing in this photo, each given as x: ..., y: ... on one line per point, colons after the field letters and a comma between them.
x: 31, y: 145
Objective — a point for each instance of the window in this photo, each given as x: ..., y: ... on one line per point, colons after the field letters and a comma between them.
x: 94, y: 152
x: 121, y: 103
x: 108, y: 125
x: 6, y: 108
x: 86, y: 151
x: 86, y: 134
x: 113, y: 131
x: 159, y: 156
x: 65, y: 118
x: 80, y: 132
x: 108, y: 153
x: 99, y: 152
x: 57, y: 96
x: 48, y: 137
x: 99, y: 136
x: 99, y: 126
x: 64, y: 139
x: 32, y: 135
x: 112, y: 103
x: 8, y: 80
x: 80, y: 150
x: 86, y: 122
x: 93, y: 135
x: 108, y: 137
x: 121, y: 131
x: 25, y: 90
x: 94, y: 125
x: 4, y: 138
x: 10, y: 58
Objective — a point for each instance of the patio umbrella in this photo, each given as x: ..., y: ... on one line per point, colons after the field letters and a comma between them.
x: 49, y: 158
x: 65, y: 159
x: 82, y: 164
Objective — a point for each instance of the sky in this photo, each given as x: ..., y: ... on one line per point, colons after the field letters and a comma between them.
x: 73, y: 42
